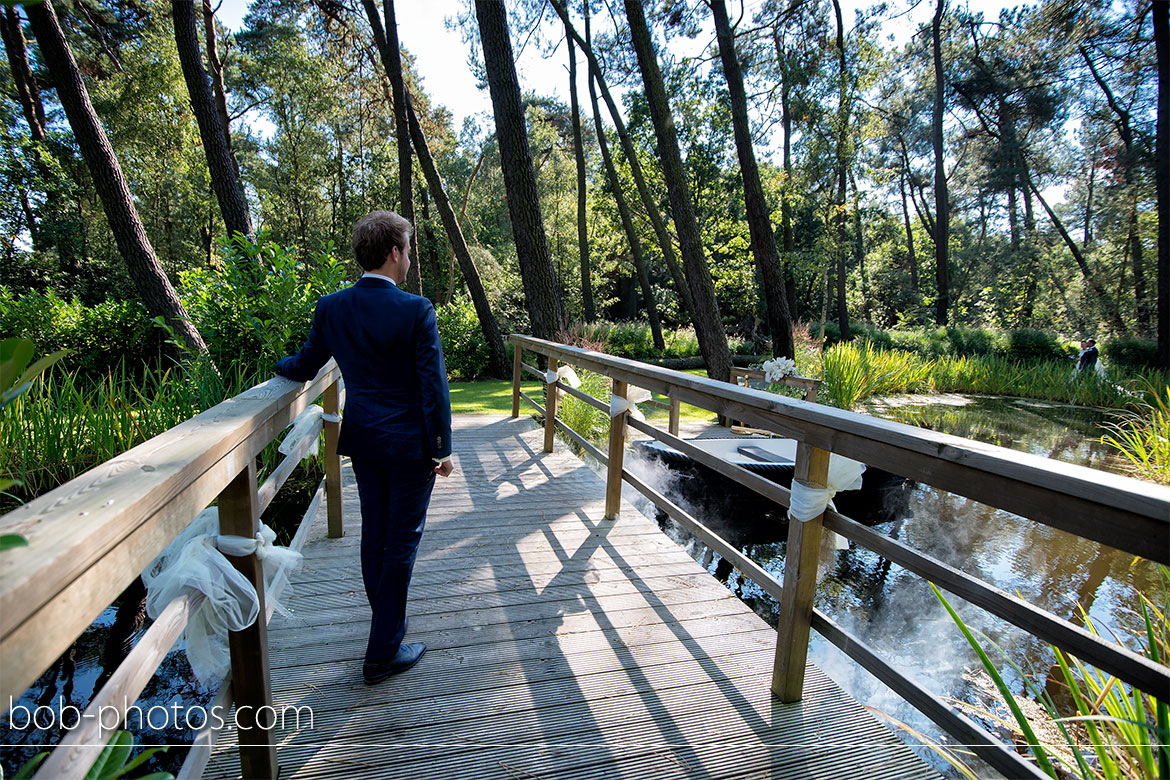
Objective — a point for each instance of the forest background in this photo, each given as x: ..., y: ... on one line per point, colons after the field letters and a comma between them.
x: 965, y: 131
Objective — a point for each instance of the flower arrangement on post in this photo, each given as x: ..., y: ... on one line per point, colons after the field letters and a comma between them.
x: 777, y: 369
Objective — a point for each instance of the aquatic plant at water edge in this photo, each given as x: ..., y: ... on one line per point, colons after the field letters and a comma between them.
x: 1128, y: 730
x: 853, y: 372
x: 66, y: 424
x: 1142, y: 435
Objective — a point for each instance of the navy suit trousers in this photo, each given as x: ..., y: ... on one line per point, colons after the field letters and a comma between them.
x: 394, y: 498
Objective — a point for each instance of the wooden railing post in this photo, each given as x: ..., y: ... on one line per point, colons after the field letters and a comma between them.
x: 617, y: 451
x: 800, y: 582
x: 239, y: 515
x: 517, y: 354
x: 333, y: 464
x: 674, y: 416
x: 550, y: 409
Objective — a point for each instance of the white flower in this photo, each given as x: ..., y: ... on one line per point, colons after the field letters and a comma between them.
x: 778, y: 368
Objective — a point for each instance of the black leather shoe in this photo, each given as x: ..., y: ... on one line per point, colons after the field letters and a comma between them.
x: 407, y: 656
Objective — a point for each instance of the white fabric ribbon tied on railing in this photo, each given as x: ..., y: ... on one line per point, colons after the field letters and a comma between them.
x: 308, y: 423
x: 634, y: 396
x: 809, y: 502
x: 564, y: 372
x: 194, y: 562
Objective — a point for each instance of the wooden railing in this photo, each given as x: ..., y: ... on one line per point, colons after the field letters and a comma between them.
x: 91, y: 537
x: 1124, y: 513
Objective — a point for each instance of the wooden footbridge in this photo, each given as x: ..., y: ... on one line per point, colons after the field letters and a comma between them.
x: 568, y: 636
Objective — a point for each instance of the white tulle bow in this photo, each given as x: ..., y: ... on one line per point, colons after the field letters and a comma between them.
x: 809, y: 502
x: 308, y: 423
x: 194, y: 562
x: 564, y: 372
x: 634, y: 396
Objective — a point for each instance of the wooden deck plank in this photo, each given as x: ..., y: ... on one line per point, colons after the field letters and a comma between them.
x: 561, y: 646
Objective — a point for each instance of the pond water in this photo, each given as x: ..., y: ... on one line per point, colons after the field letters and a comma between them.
x: 895, y: 612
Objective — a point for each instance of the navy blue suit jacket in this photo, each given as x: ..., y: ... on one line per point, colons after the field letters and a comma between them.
x: 386, y: 343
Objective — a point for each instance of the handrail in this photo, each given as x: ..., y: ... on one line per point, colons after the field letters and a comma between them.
x: 89, y: 538
x: 1114, y: 510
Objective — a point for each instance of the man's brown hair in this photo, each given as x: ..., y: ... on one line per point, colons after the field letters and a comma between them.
x: 376, y: 234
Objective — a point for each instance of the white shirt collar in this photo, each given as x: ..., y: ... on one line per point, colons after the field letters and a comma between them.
x: 379, y: 276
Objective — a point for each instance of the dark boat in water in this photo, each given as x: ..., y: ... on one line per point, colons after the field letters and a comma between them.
x: 739, y: 514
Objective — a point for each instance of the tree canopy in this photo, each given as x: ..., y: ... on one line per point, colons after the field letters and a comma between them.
x: 760, y: 167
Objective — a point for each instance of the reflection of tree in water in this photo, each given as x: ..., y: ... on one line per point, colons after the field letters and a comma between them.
x: 1068, y: 433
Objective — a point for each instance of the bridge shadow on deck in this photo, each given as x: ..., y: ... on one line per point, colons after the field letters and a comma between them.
x: 561, y: 645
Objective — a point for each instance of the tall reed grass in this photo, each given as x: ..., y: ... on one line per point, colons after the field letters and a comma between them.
x: 1142, y: 435
x: 1114, y: 732
x: 854, y: 372
x: 66, y: 424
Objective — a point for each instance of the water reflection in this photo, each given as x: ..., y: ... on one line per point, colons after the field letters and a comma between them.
x: 895, y: 612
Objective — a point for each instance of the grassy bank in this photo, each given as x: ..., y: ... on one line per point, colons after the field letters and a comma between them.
x: 853, y: 373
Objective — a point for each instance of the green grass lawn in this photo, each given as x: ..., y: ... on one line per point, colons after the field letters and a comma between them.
x: 494, y: 396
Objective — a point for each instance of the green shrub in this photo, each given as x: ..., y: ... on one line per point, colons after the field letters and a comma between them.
x: 591, y: 423
x: 1130, y: 352
x: 464, y: 348
x: 1033, y: 345
x: 256, y: 305
x: 631, y: 340
x: 972, y: 341
x: 681, y: 343
x: 100, y: 339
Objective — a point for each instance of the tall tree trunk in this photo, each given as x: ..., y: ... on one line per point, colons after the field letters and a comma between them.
x: 145, y: 271
x: 785, y: 199
x: 26, y: 86
x: 215, y: 70
x: 1093, y: 282
x: 911, y: 257
x: 579, y: 155
x: 708, y: 323
x: 653, y: 213
x: 763, y: 239
x: 942, y: 208
x: 1088, y: 233
x: 541, y: 293
x: 498, y: 359
x: 16, y: 48
x: 1123, y: 122
x: 1138, y: 263
x: 1161, y: 16
x: 840, y: 215
x: 859, y: 249
x: 386, y: 40
x: 627, y: 223
x: 432, y: 254
x: 224, y: 181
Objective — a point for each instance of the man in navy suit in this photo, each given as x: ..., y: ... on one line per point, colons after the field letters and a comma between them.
x: 397, y: 424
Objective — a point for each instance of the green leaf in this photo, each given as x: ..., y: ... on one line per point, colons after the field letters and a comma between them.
x: 9, y: 541
x: 1030, y: 736
x: 112, y: 757
x: 142, y: 757
x: 41, y: 365
x: 15, y: 354
x: 30, y: 766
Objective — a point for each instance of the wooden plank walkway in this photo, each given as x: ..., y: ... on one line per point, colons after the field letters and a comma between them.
x: 561, y: 646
